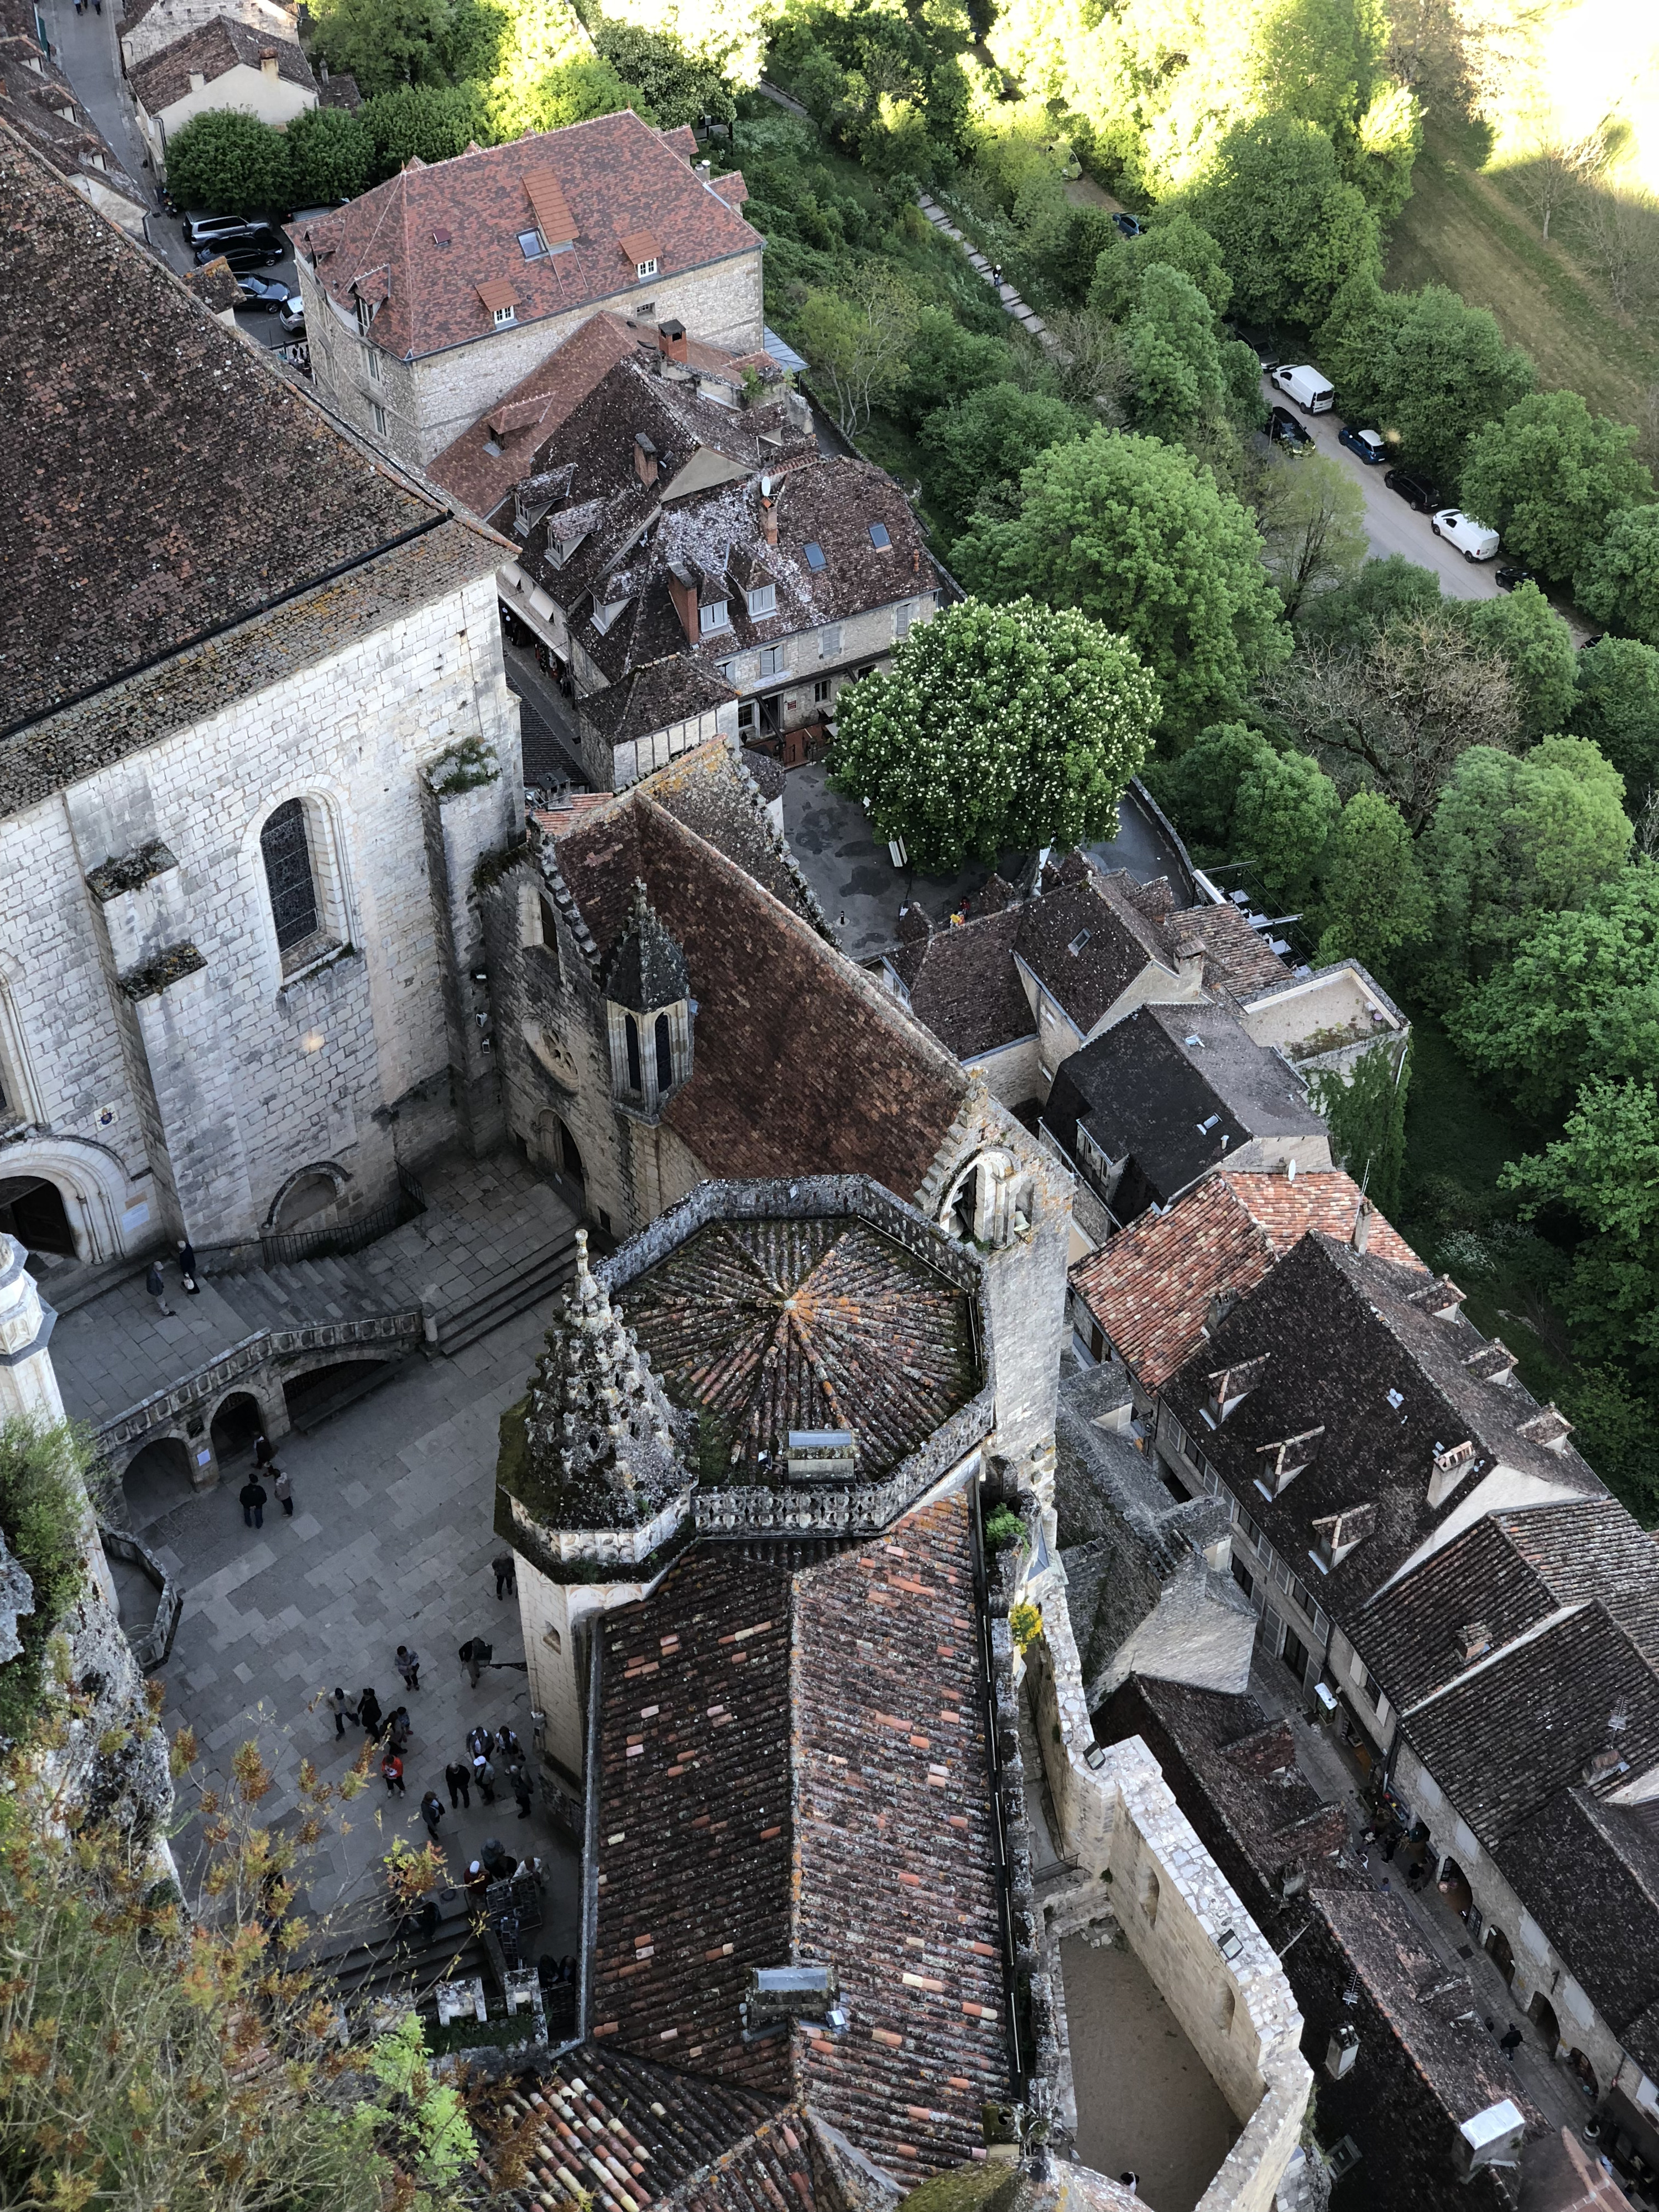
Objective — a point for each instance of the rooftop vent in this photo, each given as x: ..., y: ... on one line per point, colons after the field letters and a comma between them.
x: 441, y: 238
x: 1472, y: 1639
x: 1342, y: 2052
x: 778, y: 1995
x: 879, y: 536
x: 1492, y: 2138
x: 1079, y: 942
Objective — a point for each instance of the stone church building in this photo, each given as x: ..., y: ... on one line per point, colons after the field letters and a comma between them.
x: 255, y: 736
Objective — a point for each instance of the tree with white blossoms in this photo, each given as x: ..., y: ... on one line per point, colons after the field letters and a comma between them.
x: 998, y: 728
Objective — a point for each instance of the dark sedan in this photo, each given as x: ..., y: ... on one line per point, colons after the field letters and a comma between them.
x: 1416, y: 491
x: 1129, y: 224
x: 268, y: 293
x: 1284, y: 430
x: 244, y: 255
x: 1510, y: 580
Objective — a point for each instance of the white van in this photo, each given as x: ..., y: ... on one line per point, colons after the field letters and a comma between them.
x: 1473, y: 539
x: 1306, y: 386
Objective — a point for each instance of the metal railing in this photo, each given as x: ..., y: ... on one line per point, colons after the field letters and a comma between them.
x: 284, y: 1247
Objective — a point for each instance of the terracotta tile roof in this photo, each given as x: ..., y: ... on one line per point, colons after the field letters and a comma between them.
x: 732, y: 188
x: 682, y: 140
x: 1150, y: 1288
x: 1355, y: 1359
x: 792, y: 1325
x: 763, y: 1801
x: 614, y: 175
x: 782, y: 1014
x: 217, y: 47
x: 205, y: 488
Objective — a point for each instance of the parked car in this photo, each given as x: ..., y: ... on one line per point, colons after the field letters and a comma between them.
x: 1473, y: 539
x: 1129, y: 224
x: 244, y: 255
x: 267, y: 294
x: 1368, y: 444
x: 1510, y: 580
x: 292, y: 317
x: 1284, y: 430
x: 216, y: 231
x: 1302, y: 381
x: 1416, y: 491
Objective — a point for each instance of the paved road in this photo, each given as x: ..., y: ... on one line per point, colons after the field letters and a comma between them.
x: 1390, y: 524
x: 84, y: 47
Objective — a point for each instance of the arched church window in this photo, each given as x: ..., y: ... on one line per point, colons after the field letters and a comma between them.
x: 664, y: 1055
x: 285, y: 846
x: 634, y: 1072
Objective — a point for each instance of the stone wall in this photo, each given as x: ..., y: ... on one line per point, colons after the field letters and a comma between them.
x: 176, y: 1077
x: 428, y: 403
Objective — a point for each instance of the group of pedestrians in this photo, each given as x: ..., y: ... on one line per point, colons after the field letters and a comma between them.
x: 254, y: 1497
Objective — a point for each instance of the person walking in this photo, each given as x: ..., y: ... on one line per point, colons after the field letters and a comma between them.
x: 368, y: 1712
x: 1510, y: 2042
x: 409, y: 1666
x: 480, y: 1742
x: 392, y: 1769
x: 399, y: 1728
x: 264, y: 1451
x: 187, y: 1267
x: 253, y: 1496
x: 458, y: 1776
x: 521, y: 1782
x: 432, y: 1811
x: 483, y: 1776
x: 509, y: 1745
x: 504, y: 1563
x: 282, y: 1490
x: 475, y: 1653
x: 158, y: 1289
x: 343, y: 1709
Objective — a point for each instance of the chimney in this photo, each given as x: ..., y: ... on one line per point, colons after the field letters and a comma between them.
x: 1547, y: 1428
x: 644, y: 459
x: 671, y: 339
x: 1342, y: 2050
x: 682, y: 590
x: 1493, y: 1363
x: 769, y: 511
x: 268, y: 60
x: 1361, y: 1238
x: 1189, y: 956
x: 1471, y: 1641
x: 1450, y: 1469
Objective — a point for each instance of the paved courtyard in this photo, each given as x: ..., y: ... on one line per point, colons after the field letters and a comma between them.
x: 390, y: 1543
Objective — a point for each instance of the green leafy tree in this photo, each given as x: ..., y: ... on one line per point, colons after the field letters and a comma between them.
x: 383, y: 43
x: 1513, y: 838
x: 333, y: 154
x: 975, y: 453
x: 1617, y: 708
x: 1604, y: 1169
x: 1366, y: 1117
x: 1312, y: 514
x: 1373, y: 901
x: 1550, y: 476
x: 1389, y: 136
x: 1173, y: 355
x: 1618, y: 1435
x: 231, y: 163
x: 1198, y: 789
x: 1136, y: 534
x: 428, y: 122
x: 1170, y: 241
x: 1579, y: 999
x: 1285, y: 810
x: 1423, y: 367
x: 677, y: 88
x: 1617, y: 578
x: 857, y: 338
x: 547, y: 73
x: 474, y: 40
x: 945, y: 364
x: 1290, y: 227
x: 1016, y: 726
x: 42, y: 1516
x: 1536, y: 647
x: 1352, y: 613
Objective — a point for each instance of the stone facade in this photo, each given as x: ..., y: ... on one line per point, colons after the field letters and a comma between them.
x: 164, y: 1064
x: 414, y: 409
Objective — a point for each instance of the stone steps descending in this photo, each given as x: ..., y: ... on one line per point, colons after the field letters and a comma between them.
x: 544, y: 1271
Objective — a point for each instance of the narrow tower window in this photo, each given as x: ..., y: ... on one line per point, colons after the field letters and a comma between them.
x: 288, y: 879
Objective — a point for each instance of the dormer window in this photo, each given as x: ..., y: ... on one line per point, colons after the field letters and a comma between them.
x: 1285, y: 1460
x: 762, y: 599
x: 644, y: 270
x: 1229, y: 1386
x: 715, y: 615
x: 365, y: 314
x: 505, y: 315
x: 531, y: 244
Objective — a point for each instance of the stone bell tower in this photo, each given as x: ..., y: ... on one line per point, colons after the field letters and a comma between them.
x: 649, y: 1011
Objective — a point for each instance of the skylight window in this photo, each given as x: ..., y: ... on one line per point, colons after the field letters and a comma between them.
x: 529, y: 244
x: 1396, y: 1398
x: 814, y: 554
x: 879, y: 536
x: 1079, y: 942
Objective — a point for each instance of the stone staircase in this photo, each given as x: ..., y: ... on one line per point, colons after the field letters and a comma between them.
x: 544, y: 1271
x: 308, y: 1292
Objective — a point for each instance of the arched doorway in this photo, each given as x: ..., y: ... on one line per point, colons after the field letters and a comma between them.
x: 1501, y: 1956
x: 1454, y: 1887
x: 1541, y: 2012
x: 307, y: 1203
x: 235, y: 1425
x: 559, y: 1148
x: 1583, y: 2072
x: 156, y: 1480
x: 31, y: 1210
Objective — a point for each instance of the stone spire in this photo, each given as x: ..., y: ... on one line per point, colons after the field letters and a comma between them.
x: 601, y: 1435
x: 644, y: 969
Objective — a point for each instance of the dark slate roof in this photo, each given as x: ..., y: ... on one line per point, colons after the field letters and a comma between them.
x: 1114, y: 943
x: 212, y: 50
x: 644, y: 969
x: 781, y: 1017
x: 1176, y: 1088
x: 615, y: 177
x: 962, y: 981
x: 773, y: 1325
x: 1343, y: 1340
x: 1507, y: 1736
x: 340, y: 90
x: 762, y: 1802
x: 652, y: 697
x: 1588, y: 1872
x: 172, y: 486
